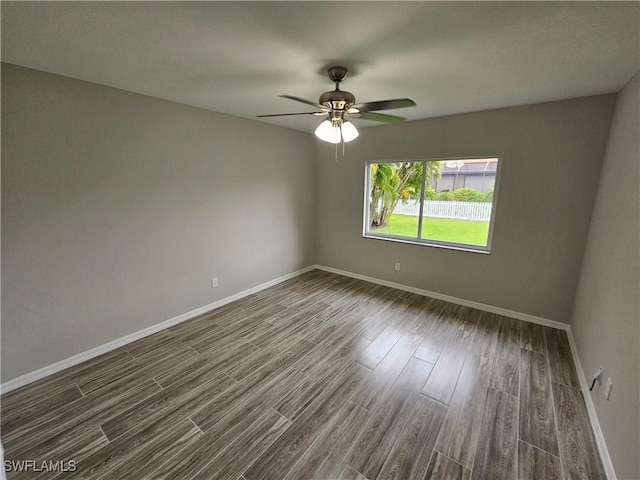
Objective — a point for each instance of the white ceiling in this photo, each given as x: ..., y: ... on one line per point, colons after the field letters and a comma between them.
x: 237, y: 57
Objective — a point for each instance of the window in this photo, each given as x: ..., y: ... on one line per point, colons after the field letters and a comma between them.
x: 444, y: 202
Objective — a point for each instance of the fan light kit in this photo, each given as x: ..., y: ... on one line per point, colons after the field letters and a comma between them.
x: 338, y: 104
x: 336, y: 130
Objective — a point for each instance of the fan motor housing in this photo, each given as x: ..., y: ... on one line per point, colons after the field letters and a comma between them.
x: 337, y: 99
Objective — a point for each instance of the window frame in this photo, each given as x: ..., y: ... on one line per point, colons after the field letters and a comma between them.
x: 417, y: 240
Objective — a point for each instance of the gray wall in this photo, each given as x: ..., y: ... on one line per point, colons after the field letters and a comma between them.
x: 606, y: 315
x: 118, y: 208
x: 541, y: 219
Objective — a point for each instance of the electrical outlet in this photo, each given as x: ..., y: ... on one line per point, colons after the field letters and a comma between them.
x: 397, y: 267
x: 214, y: 282
x: 607, y: 389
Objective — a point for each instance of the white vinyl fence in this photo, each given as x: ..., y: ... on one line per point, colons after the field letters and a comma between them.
x: 446, y: 209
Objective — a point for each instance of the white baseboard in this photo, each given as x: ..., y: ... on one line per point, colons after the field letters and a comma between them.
x: 593, y: 418
x: 448, y: 298
x: 94, y: 352
x: 591, y: 409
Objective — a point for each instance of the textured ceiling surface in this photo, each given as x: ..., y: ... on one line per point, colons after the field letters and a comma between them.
x: 237, y: 57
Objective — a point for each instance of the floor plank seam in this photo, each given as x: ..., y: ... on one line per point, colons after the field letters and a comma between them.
x: 518, y: 402
x: 81, y: 392
x: 577, y: 389
x: 363, y: 366
x: 156, y: 382
x: 227, y: 375
x: 444, y: 416
x: 299, y: 372
x: 195, y: 424
x: 553, y: 405
x: 435, y: 450
x: 538, y: 448
x: 287, y: 419
x: 354, y: 468
x: 510, y: 394
x: 104, y: 434
x: 433, y: 399
x: 473, y: 459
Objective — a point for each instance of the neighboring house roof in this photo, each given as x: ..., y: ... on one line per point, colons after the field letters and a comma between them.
x: 472, y: 167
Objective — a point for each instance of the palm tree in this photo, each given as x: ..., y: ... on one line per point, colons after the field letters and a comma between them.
x: 392, y: 182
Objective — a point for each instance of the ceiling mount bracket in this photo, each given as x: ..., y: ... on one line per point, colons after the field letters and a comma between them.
x: 337, y: 74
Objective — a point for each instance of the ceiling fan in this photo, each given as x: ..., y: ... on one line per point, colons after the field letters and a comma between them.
x: 339, y: 105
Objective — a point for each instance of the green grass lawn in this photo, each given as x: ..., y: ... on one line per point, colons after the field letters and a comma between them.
x: 473, y: 232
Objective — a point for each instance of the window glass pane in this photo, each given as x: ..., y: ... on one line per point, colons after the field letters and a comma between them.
x: 394, y: 197
x: 458, y: 201
x: 456, y: 204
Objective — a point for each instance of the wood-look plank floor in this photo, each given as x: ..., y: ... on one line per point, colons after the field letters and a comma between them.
x: 321, y: 377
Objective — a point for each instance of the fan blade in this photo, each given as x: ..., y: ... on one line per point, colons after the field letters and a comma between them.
x: 287, y: 114
x: 378, y: 117
x: 297, y: 99
x: 385, y: 105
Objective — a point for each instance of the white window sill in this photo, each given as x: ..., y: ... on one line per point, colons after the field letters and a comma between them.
x: 430, y: 243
